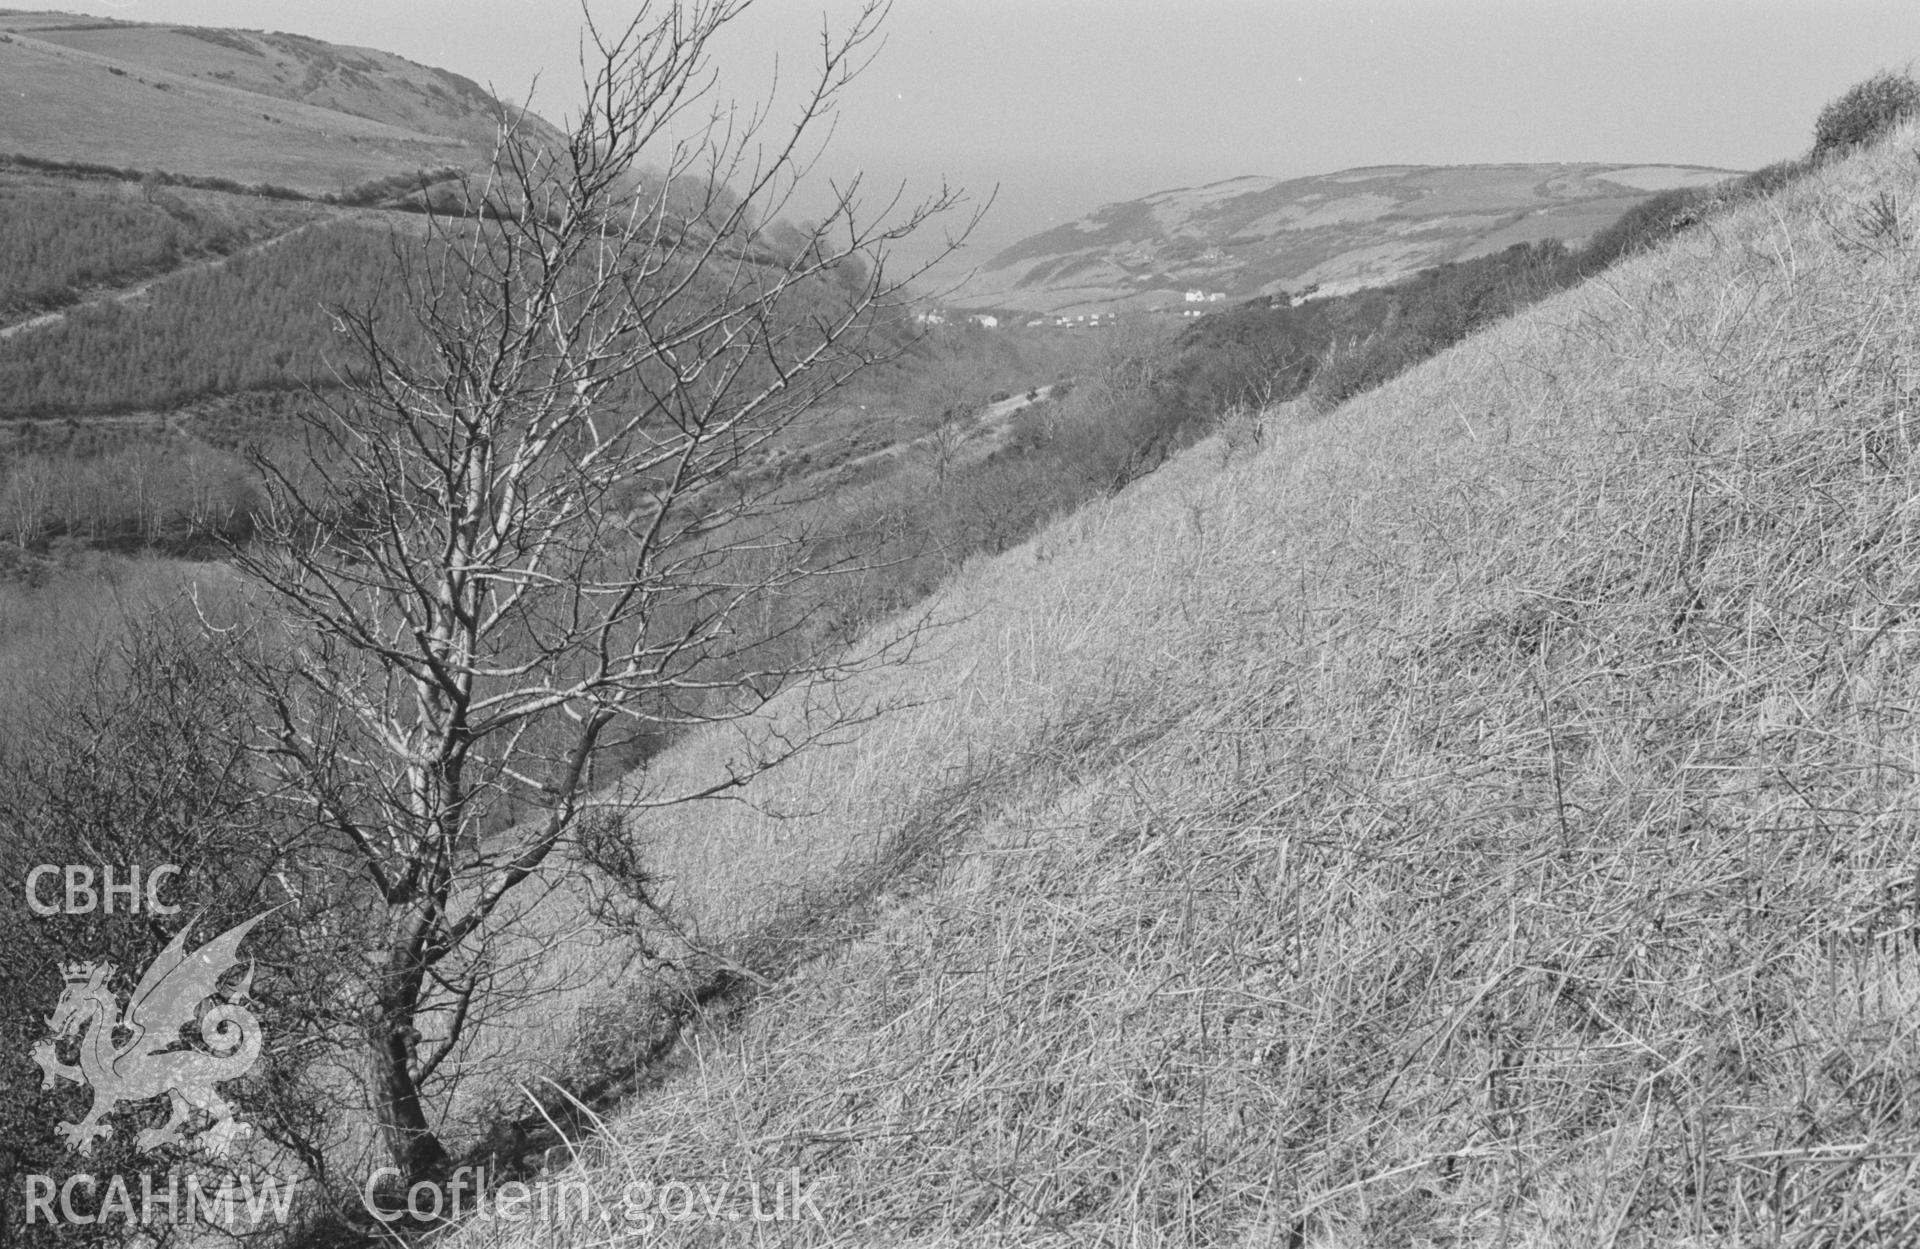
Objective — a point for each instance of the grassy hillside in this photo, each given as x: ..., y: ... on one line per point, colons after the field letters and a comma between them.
x: 1333, y: 232
x: 245, y: 106
x: 358, y: 82
x: 1483, y: 817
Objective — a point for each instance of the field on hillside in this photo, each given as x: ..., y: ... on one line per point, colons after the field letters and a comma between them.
x: 1336, y: 232
x: 325, y: 80
x: 71, y: 104
x: 66, y: 240
x: 1482, y: 817
x: 257, y: 320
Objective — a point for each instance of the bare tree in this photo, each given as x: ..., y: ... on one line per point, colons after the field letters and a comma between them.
x: 524, y: 532
x: 954, y: 396
x: 26, y: 498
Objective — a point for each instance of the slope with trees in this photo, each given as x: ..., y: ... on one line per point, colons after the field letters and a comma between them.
x: 513, y: 537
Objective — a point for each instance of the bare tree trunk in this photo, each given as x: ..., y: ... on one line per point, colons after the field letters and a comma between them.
x: 393, y: 1042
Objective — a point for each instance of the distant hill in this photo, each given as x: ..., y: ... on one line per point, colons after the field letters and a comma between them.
x: 1338, y: 231
x: 244, y: 105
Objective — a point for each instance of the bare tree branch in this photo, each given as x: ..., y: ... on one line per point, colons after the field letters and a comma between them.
x: 528, y: 524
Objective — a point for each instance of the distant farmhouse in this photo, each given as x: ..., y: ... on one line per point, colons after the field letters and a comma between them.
x: 939, y: 316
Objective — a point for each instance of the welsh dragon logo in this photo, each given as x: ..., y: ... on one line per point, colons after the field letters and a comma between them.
x: 153, y: 1060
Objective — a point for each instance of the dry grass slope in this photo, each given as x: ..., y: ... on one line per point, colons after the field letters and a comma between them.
x: 244, y: 106
x: 1484, y: 818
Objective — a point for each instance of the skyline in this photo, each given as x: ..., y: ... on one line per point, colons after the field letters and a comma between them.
x: 1066, y: 105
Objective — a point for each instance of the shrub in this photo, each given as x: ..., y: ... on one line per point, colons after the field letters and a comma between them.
x: 1349, y: 368
x: 1868, y: 110
x: 1649, y: 223
x: 1770, y: 179
x: 1243, y: 429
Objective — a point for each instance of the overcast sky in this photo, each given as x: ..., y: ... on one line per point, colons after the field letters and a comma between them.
x: 1069, y: 104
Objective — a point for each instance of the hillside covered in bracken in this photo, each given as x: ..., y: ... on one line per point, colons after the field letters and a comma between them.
x: 1480, y: 815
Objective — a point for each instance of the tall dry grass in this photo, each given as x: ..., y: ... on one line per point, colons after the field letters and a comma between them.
x: 1485, y: 817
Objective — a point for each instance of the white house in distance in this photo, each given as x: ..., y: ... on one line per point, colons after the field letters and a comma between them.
x: 937, y: 316
x: 1086, y: 320
x: 1206, y: 297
